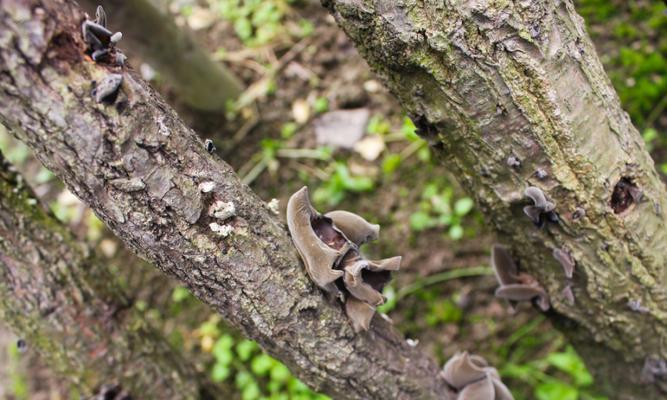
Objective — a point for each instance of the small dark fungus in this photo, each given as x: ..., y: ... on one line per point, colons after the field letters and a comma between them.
x: 100, y: 40
x: 566, y: 261
x: 542, y: 210
x: 578, y: 213
x: 503, y: 265
x: 636, y: 306
x: 541, y: 174
x: 107, y: 90
x: 513, y: 161
x: 654, y: 367
x: 209, y: 146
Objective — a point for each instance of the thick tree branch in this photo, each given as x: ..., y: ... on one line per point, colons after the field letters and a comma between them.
x: 140, y: 169
x: 65, y: 304
x: 512, y: 94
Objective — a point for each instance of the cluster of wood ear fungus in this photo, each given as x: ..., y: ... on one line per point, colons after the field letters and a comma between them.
x: 329, y: 247
x: 473, y: 378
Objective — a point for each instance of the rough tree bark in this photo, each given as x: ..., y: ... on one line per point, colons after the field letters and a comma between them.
x: 199, y: 82
x: 485, y: 81
x: 140, y: 169
x: 65, y: 304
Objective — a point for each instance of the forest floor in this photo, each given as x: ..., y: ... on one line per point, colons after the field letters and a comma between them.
x: 304, y: 79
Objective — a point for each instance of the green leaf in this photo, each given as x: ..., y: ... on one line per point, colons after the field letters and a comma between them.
x: 179, y: 294
x: 321, y: 105
x: 262, y: 364
x: 220, y: 372
x: 288, y: 130
x: 243, y: 28
x: 569, y: 362
x: 390, y: 294
x: 390, y: 163
x: 280, y: 373
x: 251, y: 392
x: 243, y: 379
x: 456, y: 232
x: 463, y: 206
x: 245, y: 349
x: 409, y: 130
x: 555, y: 390
x: 222, y: 351
x: 420, y: 221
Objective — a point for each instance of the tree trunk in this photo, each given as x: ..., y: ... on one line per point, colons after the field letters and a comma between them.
x: 511, y: 95
x: 140, y: 169
x: 198, y: 81
x: 63, y: 302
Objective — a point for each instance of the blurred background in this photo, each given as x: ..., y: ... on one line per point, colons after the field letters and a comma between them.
x: 297, y: 105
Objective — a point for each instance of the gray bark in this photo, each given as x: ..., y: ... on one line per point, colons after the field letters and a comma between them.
x: 485, y: 81
x: 139, y: 168
x: 65, y: 304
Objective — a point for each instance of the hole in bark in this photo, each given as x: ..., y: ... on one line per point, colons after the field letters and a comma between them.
x: 625, y: 194
x: 63, y: 48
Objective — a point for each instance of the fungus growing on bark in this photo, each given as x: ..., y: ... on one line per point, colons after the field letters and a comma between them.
x: 513, y: 161
x: 100, y: 40
x: 473, y: 378
x: 654, y: 367
x: 568, y: 295
x: 107, y: 90
x: 329, y: 247
x: 209, y: 146
x: 515, y: 286
x: 578, y: 213
x: 541, y: 173
x: 541, y: 210
x: 21, y: 345
x: 636, y: 306
x: 566, y: 261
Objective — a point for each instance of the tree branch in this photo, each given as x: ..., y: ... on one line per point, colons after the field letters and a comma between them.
x: 62, y: 300
x: 513, y: 95
x: 140, y: 169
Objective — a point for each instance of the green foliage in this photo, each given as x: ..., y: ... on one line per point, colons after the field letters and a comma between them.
x: 638, y: 69
x: 341, y: 182
x: 255, y: 374
x: 255, y: 22
x: 321, y: 105
x: 258, y: 22
x: 439, y: 209
x: 378, y: 125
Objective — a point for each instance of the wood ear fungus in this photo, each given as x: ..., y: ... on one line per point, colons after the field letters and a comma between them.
x: 329, y: 247
x: 566, y: 261
x: 474, y: 379
x: 516, y: 286
x: 542, y: 210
